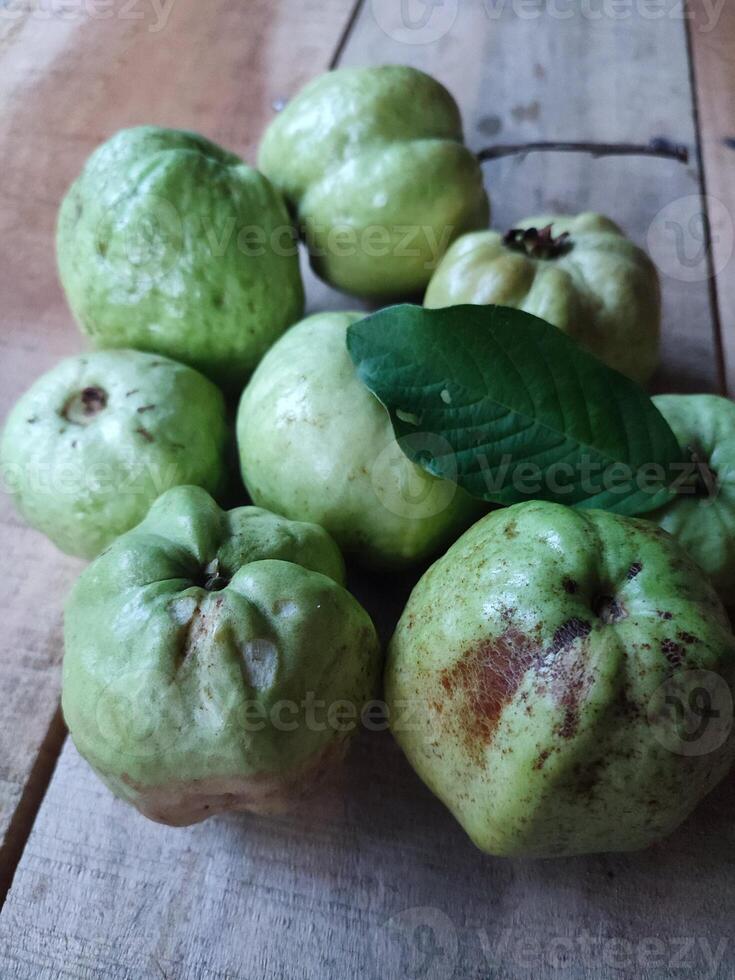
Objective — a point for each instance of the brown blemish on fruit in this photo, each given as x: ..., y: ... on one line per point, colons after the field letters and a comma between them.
x: 81, y: 407
x: 568, y: 632
x: 511, y: 529
x: 488, y: 677
x: 145, y: 408
x: 201, y: 622
x: 634, y: 570
x: 542, y: 757
x: 686, y: 637
x: 570, y: 700
x: 663, y: 615
x: 145, y: 433
x: 570, y: 586
x: 673, y: 652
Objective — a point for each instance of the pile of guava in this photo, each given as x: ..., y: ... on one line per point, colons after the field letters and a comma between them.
x: 561, y: 678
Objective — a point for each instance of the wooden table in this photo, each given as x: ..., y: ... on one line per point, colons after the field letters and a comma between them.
x: 374, y: 879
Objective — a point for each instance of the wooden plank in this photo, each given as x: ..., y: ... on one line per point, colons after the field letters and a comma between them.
x: 374, y: 879
x: 70, y: 75
x: 712, y: 34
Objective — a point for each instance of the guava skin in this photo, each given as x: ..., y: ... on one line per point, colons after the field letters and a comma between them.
x: 168, y: 243
x: 372, y: 163
x: 94, y: 441
x: 601, y: 290
x: 704, y: 521
x: 344, y: 469
x: 184, y: 641
x: 522, y: 675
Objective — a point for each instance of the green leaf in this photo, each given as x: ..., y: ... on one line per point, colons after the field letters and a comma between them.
x: 511, y: 409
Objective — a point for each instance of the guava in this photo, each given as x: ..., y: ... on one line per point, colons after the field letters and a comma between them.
x: 579, y: 273
x: 168, y: 243
x: 562, y: 679
x: 92, y: 443
x: 214, y: 661
x: 702, y: 516
x: 316, y: 445
x: 372, y: 163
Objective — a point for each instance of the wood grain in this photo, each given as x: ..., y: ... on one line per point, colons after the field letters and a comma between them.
x: 375, y: 880
x: 68, y: 81
x: 713, y: 48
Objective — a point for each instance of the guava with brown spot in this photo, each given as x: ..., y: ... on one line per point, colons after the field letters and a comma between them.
x: 205, y: 652
x: 547, y: 717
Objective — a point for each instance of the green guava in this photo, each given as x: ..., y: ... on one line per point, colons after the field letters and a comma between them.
x: 214, y: 661
x: 168, y: 243
x: 702, y: 516
x: 94, y: 441
x: 315, y: 444
x: 563, y: 680
x: 372, y: 163
x: 579, y: 273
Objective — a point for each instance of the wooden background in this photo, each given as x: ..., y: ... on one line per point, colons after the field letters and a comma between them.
x: 374, y: 879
